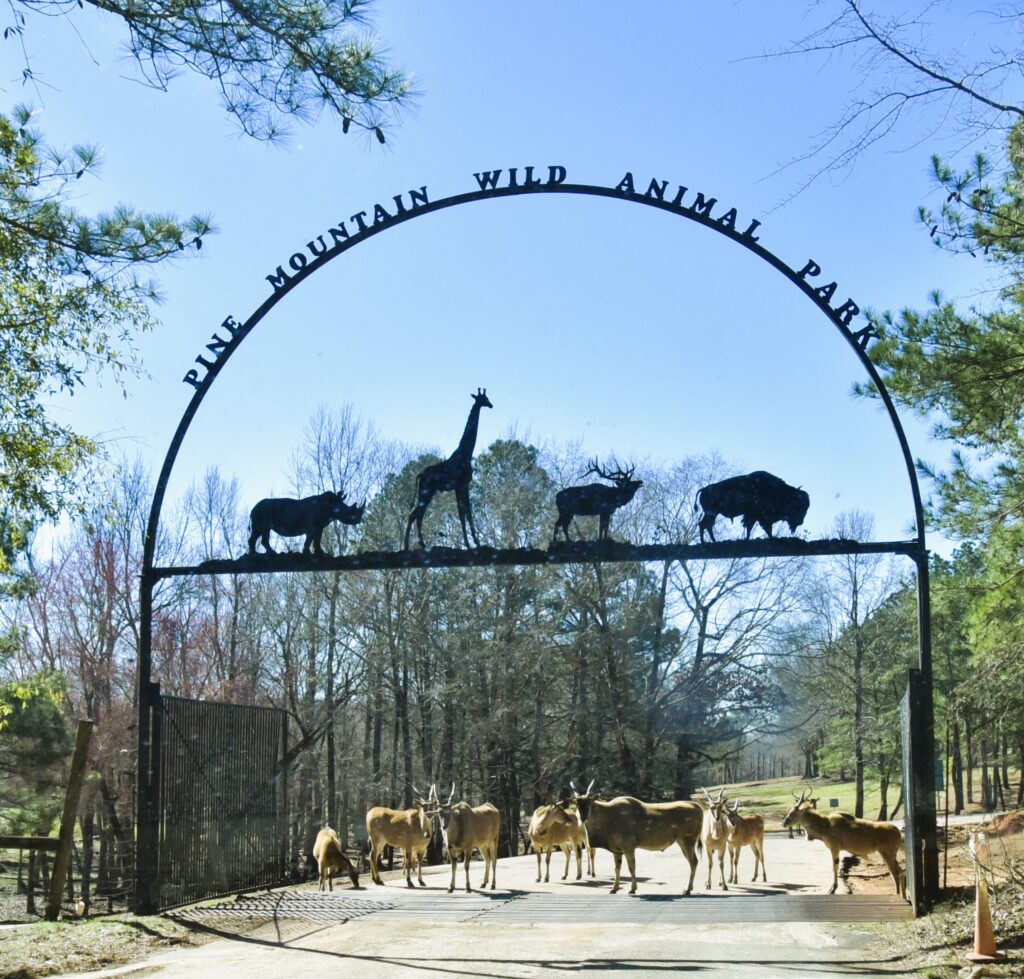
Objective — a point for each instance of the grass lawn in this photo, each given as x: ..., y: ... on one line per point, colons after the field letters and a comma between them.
x: 774, y: 798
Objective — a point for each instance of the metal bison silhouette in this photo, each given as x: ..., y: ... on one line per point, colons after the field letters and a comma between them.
x: 293, y: 518
x: 758, y: 497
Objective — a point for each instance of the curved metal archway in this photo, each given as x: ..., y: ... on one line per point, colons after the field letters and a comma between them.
x: 696, y: 207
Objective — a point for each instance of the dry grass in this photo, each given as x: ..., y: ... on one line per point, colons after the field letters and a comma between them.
x: 46, y: 948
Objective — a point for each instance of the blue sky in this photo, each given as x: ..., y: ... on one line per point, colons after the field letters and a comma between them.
x: 630, y: 330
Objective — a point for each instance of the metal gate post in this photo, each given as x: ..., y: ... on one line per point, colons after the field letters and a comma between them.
x: 923, y: 758
x: 147, y: 834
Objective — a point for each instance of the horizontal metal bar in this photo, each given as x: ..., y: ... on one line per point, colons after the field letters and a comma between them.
x: 29, y: 843
x: 576, y: 552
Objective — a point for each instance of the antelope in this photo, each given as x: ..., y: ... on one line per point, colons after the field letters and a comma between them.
x: 624, y: 825
x: 466, y: 829
x: 595, y: 499
x: 330, y: 858
x: 840, y: 831
x: 714, y: 835
x: 556, y: 828
x: 406, y: 829
x: 745, y: 831
x: 814, y: 805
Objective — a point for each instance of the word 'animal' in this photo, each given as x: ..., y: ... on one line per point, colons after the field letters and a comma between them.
x: 714, y: 835
x: 466, y: 829
x: 758, y: 497
x: 841, y: 832
x: 595, y: 499
x: 745, y: 831
x: 406, y: 829
x: 293, y: 518
x: 330, y: 859
x: 624, y: 825
x: 553, y: 828
x: 452, y: 475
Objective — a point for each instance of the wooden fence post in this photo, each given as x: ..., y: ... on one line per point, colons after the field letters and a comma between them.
x: 62, y: 858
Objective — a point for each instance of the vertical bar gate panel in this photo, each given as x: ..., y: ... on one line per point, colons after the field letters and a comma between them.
x: 223, y: 803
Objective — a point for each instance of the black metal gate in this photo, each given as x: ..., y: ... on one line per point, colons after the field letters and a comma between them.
x: 222, y: 799
x: 918, y: 795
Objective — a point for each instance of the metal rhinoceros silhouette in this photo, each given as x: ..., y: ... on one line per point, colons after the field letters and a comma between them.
x: 295, y: 518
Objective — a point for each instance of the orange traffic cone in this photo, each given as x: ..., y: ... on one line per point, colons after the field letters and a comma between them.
x: 985, y: 949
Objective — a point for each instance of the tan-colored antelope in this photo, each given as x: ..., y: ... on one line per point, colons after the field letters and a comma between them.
x: 841, y: 832
x: 406, y: 829
x: 624, y: 825
x: 745, y: 831
x: 467, y: 828
x: 330, y: 859
x: 714, y: 835
x: 553, y: 828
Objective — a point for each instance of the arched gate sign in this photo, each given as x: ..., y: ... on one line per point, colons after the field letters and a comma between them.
x: 666, y: 195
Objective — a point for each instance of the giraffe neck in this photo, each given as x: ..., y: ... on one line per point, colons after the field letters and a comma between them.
x: 465, y: 449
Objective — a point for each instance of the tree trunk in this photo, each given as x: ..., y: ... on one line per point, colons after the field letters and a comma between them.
x: 988, y: 796
x: 1005, y: 751
x: 88, y: 825
x: 958, y: 769
x: 883, y: 791
x: 899, y: 803
x: 1020, y: 768
x: 969, y: 738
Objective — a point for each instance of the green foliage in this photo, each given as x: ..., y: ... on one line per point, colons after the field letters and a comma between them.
x: 964, y: 368
x: 34, y: 745
x: 71, y: 301
x: 271, y: 61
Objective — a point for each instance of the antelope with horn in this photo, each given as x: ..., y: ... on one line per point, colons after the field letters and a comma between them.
x: 841, y: 832
x: 714, y: 835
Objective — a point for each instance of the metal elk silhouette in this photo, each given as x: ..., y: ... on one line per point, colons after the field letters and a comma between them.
x: 596, y: 499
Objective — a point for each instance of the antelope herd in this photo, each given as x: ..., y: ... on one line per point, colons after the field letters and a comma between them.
x: 621, y: 825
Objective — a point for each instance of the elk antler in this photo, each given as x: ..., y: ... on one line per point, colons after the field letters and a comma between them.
x: 616, y: 475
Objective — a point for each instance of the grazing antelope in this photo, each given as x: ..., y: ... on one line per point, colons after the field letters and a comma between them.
x: 745, y: 831
x: 454, y: 474
x: 466, y: 829
x: 840, y: 832
x: 406, y: 829
x: 714, y: 835
x: 624, y: 825
x: 556, y: 828
x: 595, y: 499
x: 330, y: 858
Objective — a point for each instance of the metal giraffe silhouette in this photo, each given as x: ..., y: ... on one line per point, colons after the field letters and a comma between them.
x: 454, y: 474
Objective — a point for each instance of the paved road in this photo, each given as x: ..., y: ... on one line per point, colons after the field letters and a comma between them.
x: 523, y: 928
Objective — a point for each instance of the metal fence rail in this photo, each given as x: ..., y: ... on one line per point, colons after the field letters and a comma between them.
x: 223, y: 799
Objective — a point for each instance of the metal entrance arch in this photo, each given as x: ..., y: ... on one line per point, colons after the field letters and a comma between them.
x: 675, y: 198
